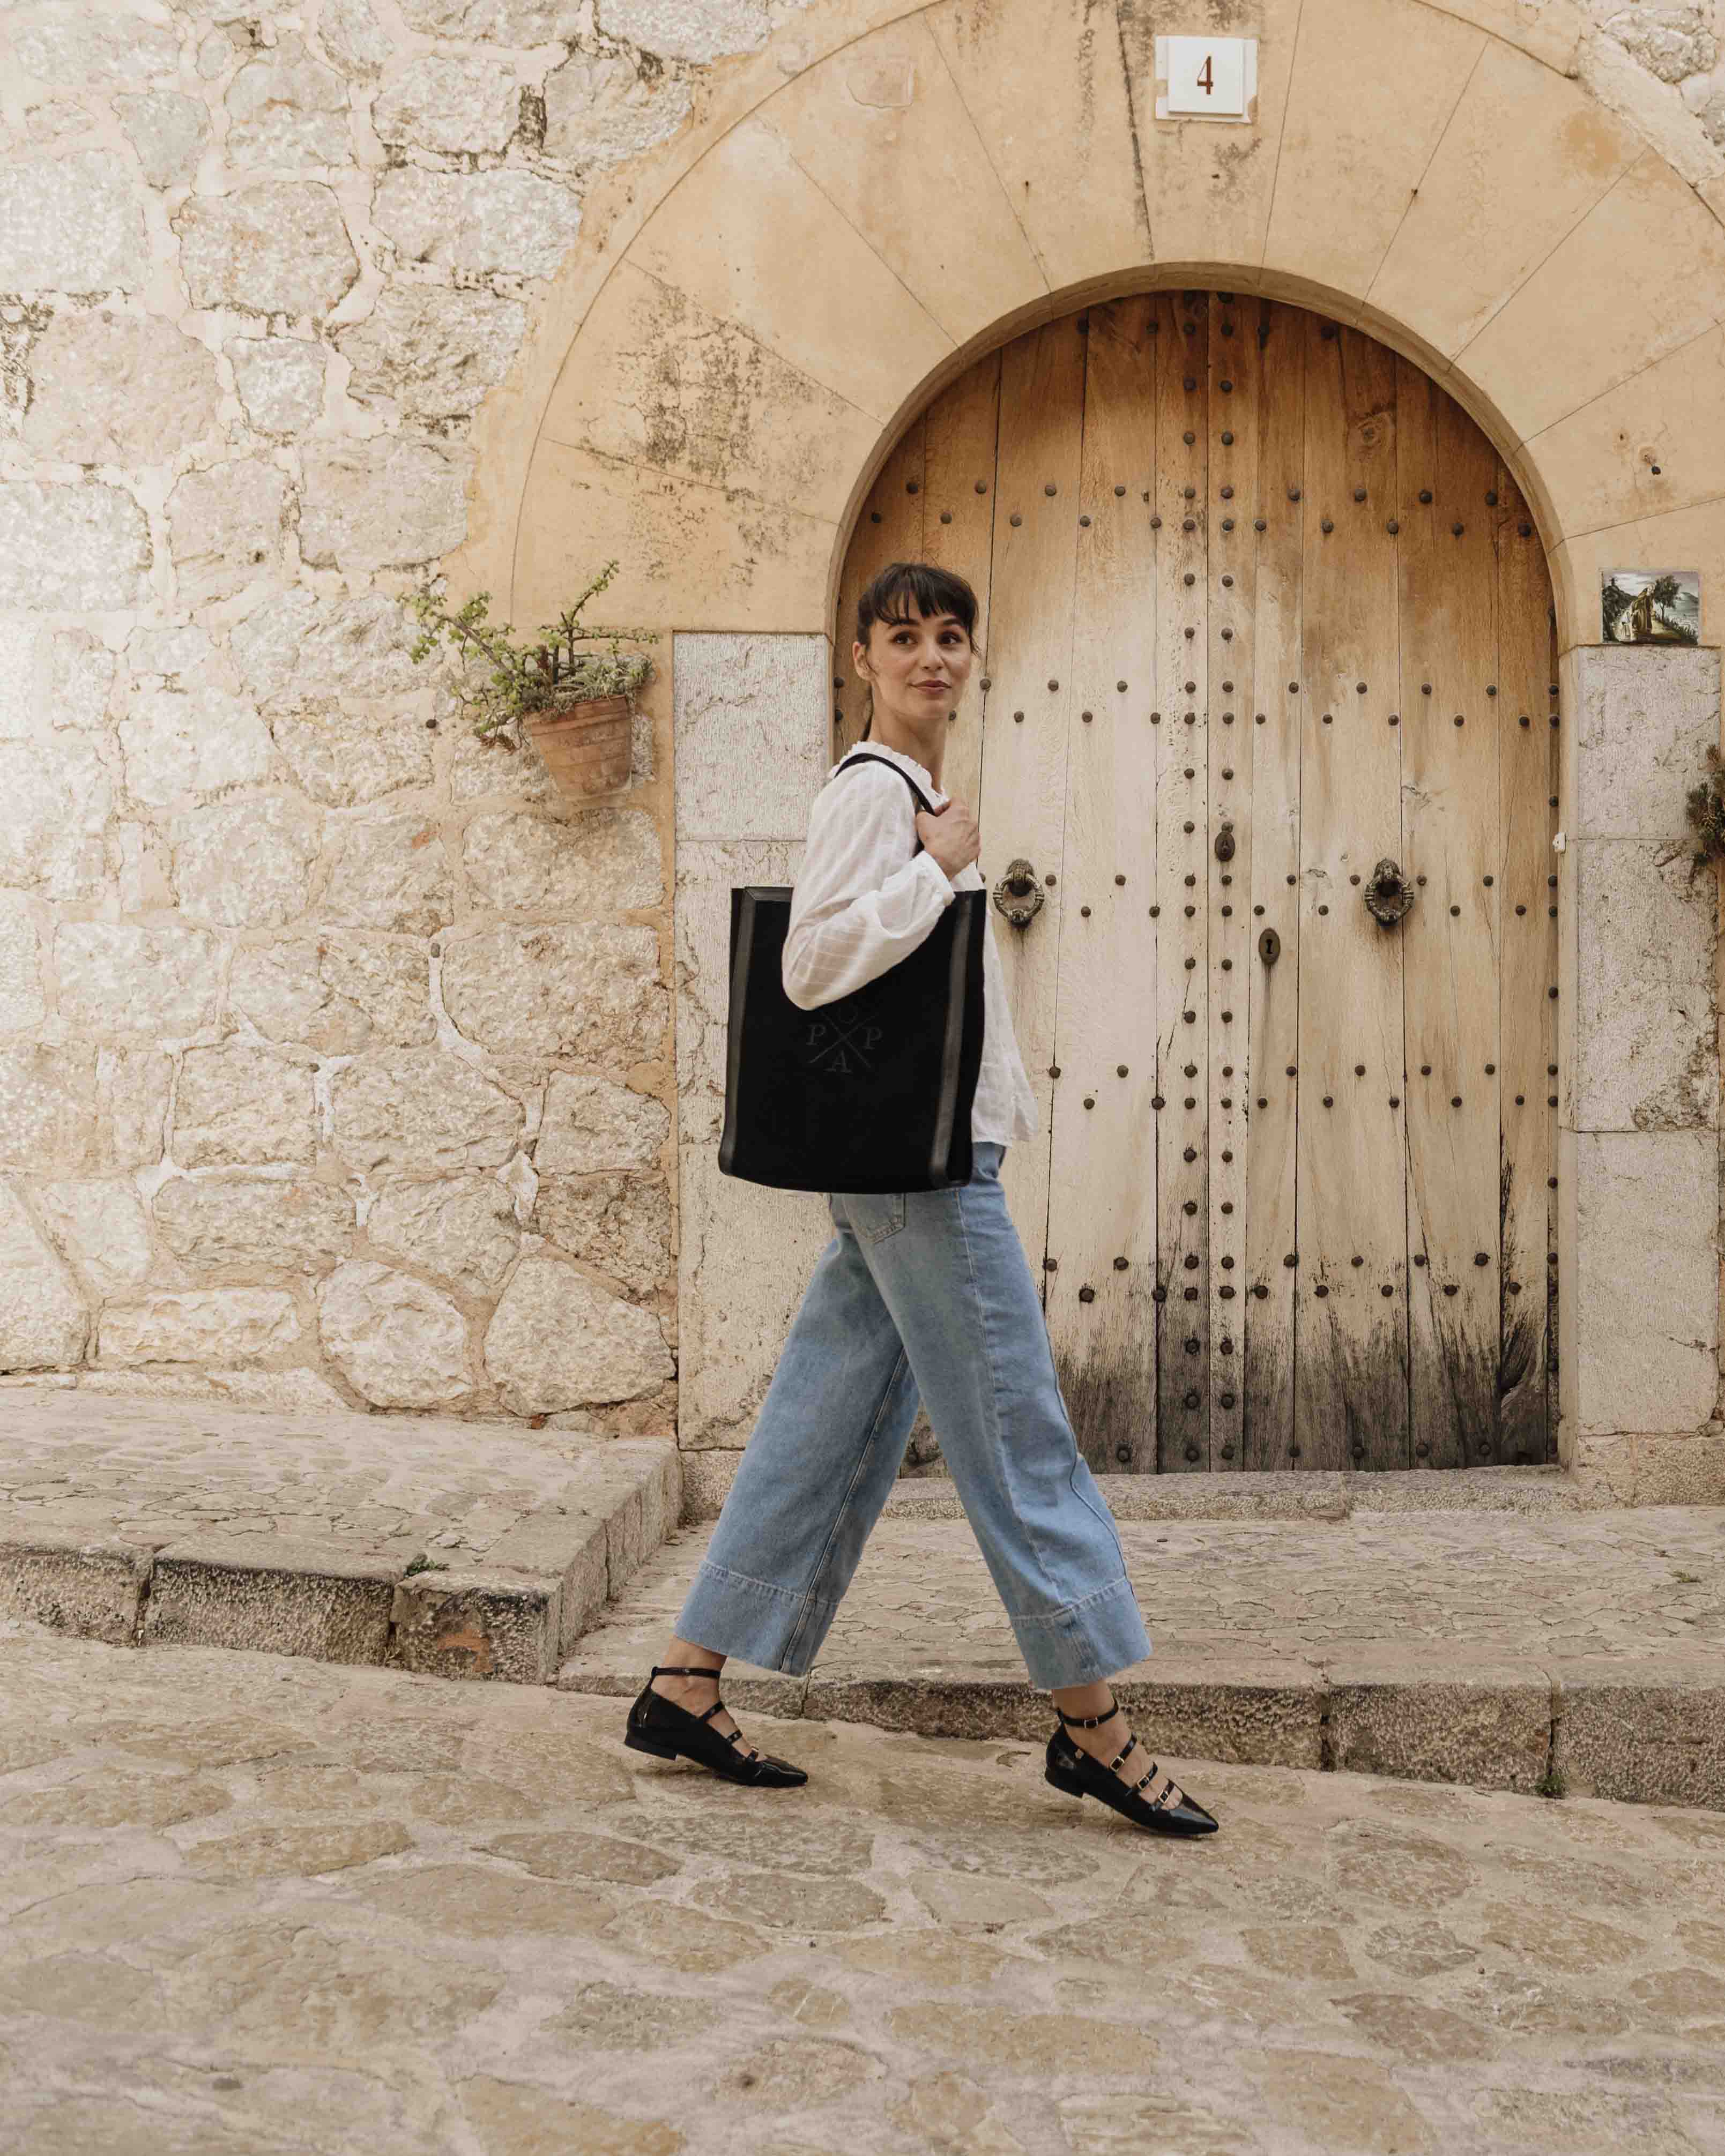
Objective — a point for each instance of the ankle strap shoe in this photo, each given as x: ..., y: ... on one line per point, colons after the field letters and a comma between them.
x: 658, y: 1725
x: 1072, y: 1769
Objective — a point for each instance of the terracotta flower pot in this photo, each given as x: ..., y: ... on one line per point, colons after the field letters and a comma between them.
x: 585, y: 744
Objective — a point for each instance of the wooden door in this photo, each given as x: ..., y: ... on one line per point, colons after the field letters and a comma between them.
x: 1267, y: 634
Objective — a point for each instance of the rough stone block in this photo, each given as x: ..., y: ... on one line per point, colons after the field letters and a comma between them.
x: 1641, y: 1335
x: 336, y: 994
x: 280, y: 380
x: 481, y: 223
x: 732, y: 694
x: 358, y: 44
x: 255, y: 1220
x: 116, y: 978
x: 238, y: 1106
x: 202, y: 1325
x: 478, y: 1624
x: 169, y: 399
x: 272, y: 1596
x: 1643, y: 716
x: 190, y: 742
x: 620, y: 1224
x: 22, y: 1005
x: 286, y: 109
x: 1628, y: 1468
x: 382, y: 502
x: 73, y: 224
x: 452, y: 103
x: 557, y: 1341
x: 1394, y: 1713
x: 76, y: 548
x: 601, y: 107
x: 226, y: 526
x: 596, y: 861
x: 167, y: 129
x: 297, y: 647
x: 589, y: 1124
x: 1646, y: 1052
x: 398, y: 1342
x: 430, y: 1112
x: 461, y: 1228
x: 344, y: 756
x: 392, y: 874
x: 101, y: 1226
x: 91, y: 1588
x: 675, y: 30
x: 591, y: 991
x: 276, y: 835
x: 44, y: 1322
x: 277, y: 248
x: 1650, y: 1732
x: 58, y: 800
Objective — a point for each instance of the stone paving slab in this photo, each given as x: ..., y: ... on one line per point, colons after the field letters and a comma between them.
x: 458, y: 1549
x: 258, y: 1907
x: 1493, y: 1647
x: 1275, y: 1494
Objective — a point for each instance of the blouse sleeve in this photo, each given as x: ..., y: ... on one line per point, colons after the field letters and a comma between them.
x: 858, y: 905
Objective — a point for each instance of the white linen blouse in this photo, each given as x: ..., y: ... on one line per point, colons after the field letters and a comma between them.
x: 862, y: 900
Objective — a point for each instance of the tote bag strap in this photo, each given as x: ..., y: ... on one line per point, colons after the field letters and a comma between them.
x: 868, y: 756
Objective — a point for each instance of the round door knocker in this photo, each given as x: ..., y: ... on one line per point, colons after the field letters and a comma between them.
x: 1018, y: 894
x: 1388, y: 895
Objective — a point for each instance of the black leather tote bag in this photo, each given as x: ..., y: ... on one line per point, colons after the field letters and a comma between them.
x: 872, y: 1091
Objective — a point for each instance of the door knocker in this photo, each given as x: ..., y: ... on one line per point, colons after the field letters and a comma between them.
x: 1388, y: 895
x: 1018, y: 894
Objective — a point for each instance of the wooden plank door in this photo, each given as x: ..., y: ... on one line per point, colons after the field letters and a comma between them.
x: 1261, y: 608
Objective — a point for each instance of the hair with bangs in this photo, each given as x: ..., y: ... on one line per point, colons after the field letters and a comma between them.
x: 904, y: 586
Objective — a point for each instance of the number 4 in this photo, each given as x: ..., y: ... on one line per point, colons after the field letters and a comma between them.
x: 1204, y: 81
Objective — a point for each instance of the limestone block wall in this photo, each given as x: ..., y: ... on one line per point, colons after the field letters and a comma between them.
x: 336, y: 1062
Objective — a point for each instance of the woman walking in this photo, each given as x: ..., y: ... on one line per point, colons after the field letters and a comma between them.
x: 922, y: 1294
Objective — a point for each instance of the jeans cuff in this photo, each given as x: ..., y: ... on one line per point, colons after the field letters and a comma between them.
x: 754, y: 1620
x: 1086, y: 1641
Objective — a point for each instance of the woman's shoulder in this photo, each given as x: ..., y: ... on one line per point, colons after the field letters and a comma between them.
x: 880, y: 775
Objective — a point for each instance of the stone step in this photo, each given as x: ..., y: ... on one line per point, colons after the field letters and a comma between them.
x: 1277, y: 1494
x: 460, y: 1549
x: 1504, y: 1649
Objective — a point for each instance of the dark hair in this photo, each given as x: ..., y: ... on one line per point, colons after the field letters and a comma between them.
x: 889, y: 596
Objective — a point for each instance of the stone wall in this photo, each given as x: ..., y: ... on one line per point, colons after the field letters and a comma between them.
x: 336, y: 1061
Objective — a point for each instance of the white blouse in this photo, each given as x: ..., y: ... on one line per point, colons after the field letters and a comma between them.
x: 862, y: 900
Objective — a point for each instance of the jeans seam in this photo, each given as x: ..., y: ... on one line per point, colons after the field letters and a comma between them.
x: 994, y: 1385
x: 810, y: 1596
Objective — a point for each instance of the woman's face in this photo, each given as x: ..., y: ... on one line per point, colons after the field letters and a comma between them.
x: 916, y: 665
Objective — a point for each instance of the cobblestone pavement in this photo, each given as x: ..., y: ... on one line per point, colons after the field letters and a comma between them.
x: 1626, y: 1583
x: 254, y: 1905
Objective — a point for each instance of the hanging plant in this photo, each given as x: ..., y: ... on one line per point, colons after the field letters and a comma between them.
x: 1707, y: 814
x: 575, y: 705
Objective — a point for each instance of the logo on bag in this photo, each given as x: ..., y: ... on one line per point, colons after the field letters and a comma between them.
x: 839, y: 1049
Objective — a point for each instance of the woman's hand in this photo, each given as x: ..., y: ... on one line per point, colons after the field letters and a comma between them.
x: 950, y: 834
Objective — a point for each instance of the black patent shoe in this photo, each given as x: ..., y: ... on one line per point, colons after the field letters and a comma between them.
x: 660, y: 1726
x: 1071, y: 1768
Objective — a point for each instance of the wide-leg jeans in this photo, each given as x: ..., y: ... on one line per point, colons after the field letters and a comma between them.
x: 921, y: 1294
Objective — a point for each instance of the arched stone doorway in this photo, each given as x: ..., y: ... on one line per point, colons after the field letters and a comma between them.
x: 1262, y: 608
x: 755, y: 312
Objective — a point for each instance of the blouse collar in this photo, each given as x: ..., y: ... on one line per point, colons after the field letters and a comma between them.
x: 919, y: 772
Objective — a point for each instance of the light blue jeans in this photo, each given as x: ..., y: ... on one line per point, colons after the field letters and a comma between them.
x: 921, y: 1294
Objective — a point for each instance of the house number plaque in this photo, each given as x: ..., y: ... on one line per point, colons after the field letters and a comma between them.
x: 1207, y: 78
